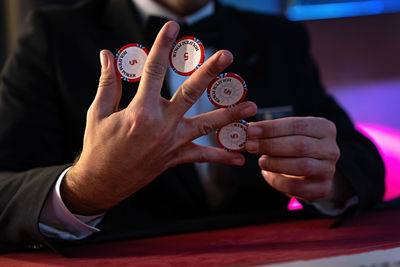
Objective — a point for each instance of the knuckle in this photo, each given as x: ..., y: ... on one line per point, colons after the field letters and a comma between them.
x: 332, y: 153
x: 154, y: 70
x: 299, y: 126
x: 307, y: 167
x: 322, y: 191
x: 202, y: 157
x: 205, y: 127
x: 270, y: 146
x: 212, y: 70
x: 106, y: 79
x: 143, y: 118
x: 232, y: 114
x: 189, y: 94
x: 331, y: 127
x: 336, y: 153
x: 331, y: 169
x: 302, y: 146
x: 92, y: 111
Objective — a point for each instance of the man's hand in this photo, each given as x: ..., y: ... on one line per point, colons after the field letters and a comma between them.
x: 298, y: 155
x: 124, y: 150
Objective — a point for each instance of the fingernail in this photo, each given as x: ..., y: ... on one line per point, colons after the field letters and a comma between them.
x: 238, y: 162
x: 103, y: 60
x: 225, y: 58
x: 252, y: 146
x: 172, y: 30
x: 254, y: 131
x: 262, y: 161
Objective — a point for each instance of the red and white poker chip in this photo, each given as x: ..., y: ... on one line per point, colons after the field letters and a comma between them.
x: 226, y: 90
x: 187, y: 55
x: 233, y: 136
x: 129, y: 62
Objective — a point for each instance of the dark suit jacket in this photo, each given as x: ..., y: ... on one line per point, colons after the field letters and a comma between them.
x: 51, y: 79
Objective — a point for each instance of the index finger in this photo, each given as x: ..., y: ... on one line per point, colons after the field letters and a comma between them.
x: 307, y: 126
x: 191, y: 90
x: 156, y: 64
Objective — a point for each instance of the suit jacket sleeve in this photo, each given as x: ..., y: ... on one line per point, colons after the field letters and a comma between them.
x: 31, y: 146
x: 360, y: 162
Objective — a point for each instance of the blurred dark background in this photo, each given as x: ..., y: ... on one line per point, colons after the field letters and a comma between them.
x: 355, y: 42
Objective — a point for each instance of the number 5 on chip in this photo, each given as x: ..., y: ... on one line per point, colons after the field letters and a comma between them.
x: 129, y: 62
x: 187, y: 55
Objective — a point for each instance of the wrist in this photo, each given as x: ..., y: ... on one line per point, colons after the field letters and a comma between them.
x: 81, y: 195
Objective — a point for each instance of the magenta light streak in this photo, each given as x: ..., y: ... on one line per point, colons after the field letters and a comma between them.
x: 387, y: 141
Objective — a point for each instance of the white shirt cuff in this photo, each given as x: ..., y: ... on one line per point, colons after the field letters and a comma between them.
x: 56, y: 221
x: 339, y: 199
x: 328, y: 206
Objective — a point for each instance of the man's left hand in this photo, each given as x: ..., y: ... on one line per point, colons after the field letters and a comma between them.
x: 299, y: 154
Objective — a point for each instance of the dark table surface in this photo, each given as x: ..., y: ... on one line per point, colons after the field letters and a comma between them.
x: 272, y: 242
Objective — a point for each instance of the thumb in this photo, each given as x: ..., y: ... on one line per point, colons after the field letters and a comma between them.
x: 109, y: 90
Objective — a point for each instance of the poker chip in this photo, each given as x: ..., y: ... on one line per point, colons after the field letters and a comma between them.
x: 227, y: 90
x: 129, y: 62
x: 187, y: 55
x: 233, y: 136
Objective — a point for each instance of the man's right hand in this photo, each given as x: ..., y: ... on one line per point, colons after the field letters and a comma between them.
x: 124, y: 150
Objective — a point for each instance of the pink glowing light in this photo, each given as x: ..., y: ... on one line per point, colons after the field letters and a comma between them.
x: 387, y: 140
x: 294, y: 204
